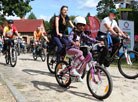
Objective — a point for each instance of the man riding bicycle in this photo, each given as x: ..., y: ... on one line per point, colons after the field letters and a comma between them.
x: 38, y: 34
x: 107, y: 29
x: 8, y: 34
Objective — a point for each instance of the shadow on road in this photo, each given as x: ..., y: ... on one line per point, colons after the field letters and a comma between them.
x: 4, y: 64
x: 36, y: 72
x: 29, y: 59
x: 53, y: 86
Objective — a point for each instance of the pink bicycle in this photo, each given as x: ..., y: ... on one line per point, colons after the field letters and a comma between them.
x: 99, y: 81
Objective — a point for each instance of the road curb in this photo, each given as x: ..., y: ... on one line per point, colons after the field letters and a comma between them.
x: 16, y: 94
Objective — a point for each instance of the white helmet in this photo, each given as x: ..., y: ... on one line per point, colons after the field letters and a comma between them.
x: 79, y: 19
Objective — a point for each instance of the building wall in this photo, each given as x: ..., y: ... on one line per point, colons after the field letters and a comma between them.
x: 28, y: 36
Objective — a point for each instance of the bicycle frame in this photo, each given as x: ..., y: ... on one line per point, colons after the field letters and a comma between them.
x: 81, y: 66
x: 124, y: 50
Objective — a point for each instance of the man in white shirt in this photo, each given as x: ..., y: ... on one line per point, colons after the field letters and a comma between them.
x: 107, y: 27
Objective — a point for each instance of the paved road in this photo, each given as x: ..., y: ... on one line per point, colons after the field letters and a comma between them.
x: 37, y: 84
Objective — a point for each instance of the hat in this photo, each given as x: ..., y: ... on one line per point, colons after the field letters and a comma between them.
x: 113, y: 11
x: 79, y: 19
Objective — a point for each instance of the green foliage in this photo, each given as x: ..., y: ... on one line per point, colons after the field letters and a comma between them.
x: 15, y: 7
x: 72, y: 18
x: 47, y: 25
x: 32, y: 16
x: 103, y: 8
x: 133, y: 16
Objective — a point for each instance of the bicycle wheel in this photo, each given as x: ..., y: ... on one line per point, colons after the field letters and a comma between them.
x: 13, y: 57
x: 35, y: 56
x: 51, y: 62
x: 62, y: 75
x: 128, y: 65
x: 43, y: 55
x: 7, y: 58
x: 99, y: 82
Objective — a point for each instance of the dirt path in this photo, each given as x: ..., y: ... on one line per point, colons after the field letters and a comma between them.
x: 37, y: 84
x: 5, y: 94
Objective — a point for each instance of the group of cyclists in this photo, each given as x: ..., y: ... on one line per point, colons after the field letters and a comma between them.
x: 108, y: 27
x: 107, y: 37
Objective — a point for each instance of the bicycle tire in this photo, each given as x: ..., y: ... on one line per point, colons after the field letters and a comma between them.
x: 34, y: 56
x: 7, y: 60
x: 43, y: 55
x: 13, y: 57
x: 51, y: 63
x: 100, y: 71
x: 123, y: 70
x: 59, y: 77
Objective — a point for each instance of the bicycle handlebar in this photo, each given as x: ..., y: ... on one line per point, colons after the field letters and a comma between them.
x: 89, y: 47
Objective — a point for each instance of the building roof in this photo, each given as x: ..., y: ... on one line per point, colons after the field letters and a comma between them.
x: 28, y: 25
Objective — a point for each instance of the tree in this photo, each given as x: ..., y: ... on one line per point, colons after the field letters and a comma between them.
x: 32, y: 16
x: 103, y: 8
x: 47, y: 26
x: 15, y: 7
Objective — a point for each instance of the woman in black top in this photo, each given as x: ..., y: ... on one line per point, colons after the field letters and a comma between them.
x: 59, y: 28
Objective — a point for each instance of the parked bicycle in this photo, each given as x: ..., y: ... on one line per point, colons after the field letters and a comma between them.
x: 99, y: 81
x: 127, y: 60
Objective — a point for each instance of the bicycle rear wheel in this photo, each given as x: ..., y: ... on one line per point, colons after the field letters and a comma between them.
x: 99, y: 82
x: 62, y: 75
x: 13, y: 57
x: 128, y: 65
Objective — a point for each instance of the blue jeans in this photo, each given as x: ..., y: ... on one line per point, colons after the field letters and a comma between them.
x: 59, y: 43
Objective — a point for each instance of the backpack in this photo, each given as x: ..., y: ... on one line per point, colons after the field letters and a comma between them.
x: 52, y: 22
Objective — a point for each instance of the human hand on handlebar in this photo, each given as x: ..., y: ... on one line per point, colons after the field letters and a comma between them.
x: 60, y: 34
x: 77, y: 43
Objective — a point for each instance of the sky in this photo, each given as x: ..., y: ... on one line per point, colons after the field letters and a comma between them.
x: 45, y: 9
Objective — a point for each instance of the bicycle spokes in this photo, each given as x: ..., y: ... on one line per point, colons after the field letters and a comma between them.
x: 99, y: 82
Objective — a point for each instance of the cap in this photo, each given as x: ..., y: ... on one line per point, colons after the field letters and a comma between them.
x: 113, y: 11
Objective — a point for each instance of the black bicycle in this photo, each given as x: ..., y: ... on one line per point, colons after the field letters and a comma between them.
x: 11, y: 53
x: 127, y: 62
x: 52, y: 56
x: 39, y: 52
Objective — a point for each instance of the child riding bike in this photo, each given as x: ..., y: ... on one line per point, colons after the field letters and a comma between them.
x: 8, y: 34
x: 76, y: 37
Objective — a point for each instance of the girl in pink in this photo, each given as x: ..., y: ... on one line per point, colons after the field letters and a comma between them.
x: 75, y: 38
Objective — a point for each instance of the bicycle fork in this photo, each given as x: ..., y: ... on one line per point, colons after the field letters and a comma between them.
x: 92, y: 70
x: 128, y: 60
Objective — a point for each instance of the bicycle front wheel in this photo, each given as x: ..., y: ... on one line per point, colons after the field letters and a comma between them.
x: 7, y: 58
x: 128, y: 65
x: 13, y: 57
x: 99, y: 82
x: 43, y: 55
x: 51, y: 62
